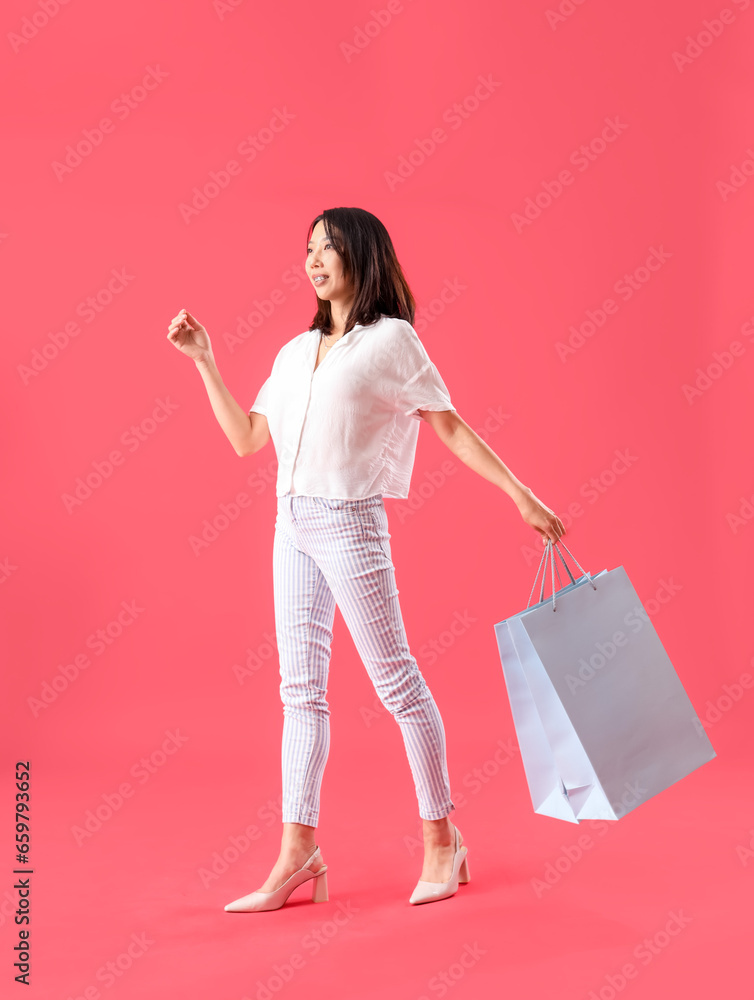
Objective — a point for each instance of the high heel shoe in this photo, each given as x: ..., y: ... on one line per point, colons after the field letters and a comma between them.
x: 275, y: 899
x: 428, y: 892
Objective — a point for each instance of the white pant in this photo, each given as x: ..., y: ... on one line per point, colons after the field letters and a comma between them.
x: 338, y: 551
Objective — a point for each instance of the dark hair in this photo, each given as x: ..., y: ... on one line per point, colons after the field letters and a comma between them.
x: 370, y: 262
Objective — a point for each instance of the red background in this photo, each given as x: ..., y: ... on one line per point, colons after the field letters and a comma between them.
x: 224, y: 71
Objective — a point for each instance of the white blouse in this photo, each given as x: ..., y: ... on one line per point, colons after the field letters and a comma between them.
x: 349, y: 429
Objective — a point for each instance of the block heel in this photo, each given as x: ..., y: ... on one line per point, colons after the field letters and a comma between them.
x: 463, y: 871
x: 319, y: 888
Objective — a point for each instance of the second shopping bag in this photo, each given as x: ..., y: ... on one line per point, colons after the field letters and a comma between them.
x: 602, y: 719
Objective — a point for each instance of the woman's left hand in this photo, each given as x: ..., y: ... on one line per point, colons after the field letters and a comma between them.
x: 539, y: 516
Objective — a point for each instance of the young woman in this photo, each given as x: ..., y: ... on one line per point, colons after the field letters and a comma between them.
x: 342, y: 405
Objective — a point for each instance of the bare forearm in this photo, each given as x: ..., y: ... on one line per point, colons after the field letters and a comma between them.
x: 234, y: 421
x: 466, y: 444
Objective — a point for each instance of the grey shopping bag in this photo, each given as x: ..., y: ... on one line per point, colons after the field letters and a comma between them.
x: 603, y: 722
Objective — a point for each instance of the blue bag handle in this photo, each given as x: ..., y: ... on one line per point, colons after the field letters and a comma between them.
x: 550, y: 549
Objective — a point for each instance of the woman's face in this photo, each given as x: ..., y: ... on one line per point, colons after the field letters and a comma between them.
x: 325, y: 268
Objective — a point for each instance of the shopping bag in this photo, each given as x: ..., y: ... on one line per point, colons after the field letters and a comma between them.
x: 602, y: 719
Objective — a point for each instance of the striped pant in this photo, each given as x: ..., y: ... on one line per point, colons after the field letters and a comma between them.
x: 329, y: 552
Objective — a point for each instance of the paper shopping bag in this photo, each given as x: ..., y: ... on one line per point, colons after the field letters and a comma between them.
x: 602, y: 719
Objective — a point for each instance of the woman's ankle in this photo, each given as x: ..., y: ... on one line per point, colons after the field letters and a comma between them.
x: 298, y: 836
x: 437, y: 832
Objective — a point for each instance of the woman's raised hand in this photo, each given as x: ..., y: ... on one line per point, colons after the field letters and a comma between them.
x: 539, y: 516
x: 189, y: 336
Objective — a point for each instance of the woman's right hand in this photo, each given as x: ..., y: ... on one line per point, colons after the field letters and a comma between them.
x: 540, y: 517
x: 190, y: 337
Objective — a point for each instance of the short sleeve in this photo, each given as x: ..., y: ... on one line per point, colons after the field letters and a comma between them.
x: 418, y: 383
x: 263, y: 398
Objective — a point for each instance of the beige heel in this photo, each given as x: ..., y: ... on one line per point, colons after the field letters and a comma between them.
x: 319, y: 889
x: 463, y: 871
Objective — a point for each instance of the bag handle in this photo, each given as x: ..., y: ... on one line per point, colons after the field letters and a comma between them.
x: 549, y: 552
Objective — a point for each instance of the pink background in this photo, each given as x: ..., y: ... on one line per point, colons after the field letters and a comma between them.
x: 218, y: 75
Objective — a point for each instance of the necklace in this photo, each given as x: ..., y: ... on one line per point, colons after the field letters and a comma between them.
x: 327, y: 346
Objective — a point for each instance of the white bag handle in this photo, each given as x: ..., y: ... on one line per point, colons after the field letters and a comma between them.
x: 550, y: 549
